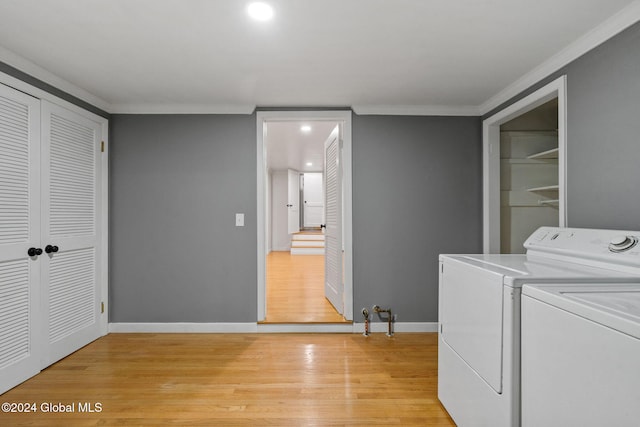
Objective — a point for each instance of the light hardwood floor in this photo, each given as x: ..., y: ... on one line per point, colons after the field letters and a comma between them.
x: 295, y: 290
x: 240, y: 380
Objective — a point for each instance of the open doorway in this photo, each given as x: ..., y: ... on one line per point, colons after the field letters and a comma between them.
x: 293, y: 262
x: 529, y: 180
x: 524, y: 176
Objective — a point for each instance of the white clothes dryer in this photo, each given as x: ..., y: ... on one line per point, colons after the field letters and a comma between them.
x: 479, y: 313
x: 580, y: 355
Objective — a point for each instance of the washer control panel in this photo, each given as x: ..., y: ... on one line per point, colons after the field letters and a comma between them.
x: 604, y: 246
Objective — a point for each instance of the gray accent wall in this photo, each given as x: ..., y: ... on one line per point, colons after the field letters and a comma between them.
x: 603, y: 134
x: 176, y: 182
x: 417, y: 192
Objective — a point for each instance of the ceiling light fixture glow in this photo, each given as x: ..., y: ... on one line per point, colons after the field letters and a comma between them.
x: 305, y: 128
x: 309, y: 164
x: 260, y: 11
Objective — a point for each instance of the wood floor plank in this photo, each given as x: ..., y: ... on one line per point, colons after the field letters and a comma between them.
x: 240, y: 380
x: 295, y: 290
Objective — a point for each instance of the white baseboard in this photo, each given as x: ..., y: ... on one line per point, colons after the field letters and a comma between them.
x: 398, y: 327
x: 249, y: 328
x: 340, y: 328
x: 226, y: 328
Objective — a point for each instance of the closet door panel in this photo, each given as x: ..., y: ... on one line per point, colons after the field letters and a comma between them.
x: 19, y: 231
x: 71, y: 293
x: 71, y: 195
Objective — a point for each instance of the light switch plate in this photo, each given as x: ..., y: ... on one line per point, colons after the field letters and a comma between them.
x: 239, y: 220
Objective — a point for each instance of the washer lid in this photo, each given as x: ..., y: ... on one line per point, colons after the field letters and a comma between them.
x: 613, y: 305
x: 518, y: 269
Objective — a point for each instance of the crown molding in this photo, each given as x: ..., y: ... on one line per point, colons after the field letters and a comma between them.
x: 16, y: 61
x: 600, y: 34
x: 416, y: 110
x: 181, y: 109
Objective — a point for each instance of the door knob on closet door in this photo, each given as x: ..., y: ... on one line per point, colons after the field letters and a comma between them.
x: 34, y: 251
x: 49, y: 249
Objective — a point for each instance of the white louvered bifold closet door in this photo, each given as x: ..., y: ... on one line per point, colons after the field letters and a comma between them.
x: 19, y: 231
x: 334, y: 287
x: 70, y: 206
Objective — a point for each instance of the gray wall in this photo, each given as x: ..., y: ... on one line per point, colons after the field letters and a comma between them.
x: 175, y: 252
x: 176, y: 182
x: 603, y: 132
x: 603, y: 136
x: 417, y: 192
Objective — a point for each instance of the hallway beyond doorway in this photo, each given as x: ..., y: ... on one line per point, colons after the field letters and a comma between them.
x: 295, y: 290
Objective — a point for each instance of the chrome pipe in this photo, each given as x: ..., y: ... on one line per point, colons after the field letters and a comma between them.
x: 365, y: 313
x: 378, y: 310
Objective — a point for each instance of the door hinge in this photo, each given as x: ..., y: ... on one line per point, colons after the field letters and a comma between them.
x: 102, y: 146
x: 101, y: 307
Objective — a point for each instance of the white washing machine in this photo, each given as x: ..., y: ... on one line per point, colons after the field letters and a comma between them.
x: 479, y: 313
x: 581, y: 355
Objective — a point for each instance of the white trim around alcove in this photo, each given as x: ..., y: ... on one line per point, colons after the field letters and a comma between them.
x: 491, y: 158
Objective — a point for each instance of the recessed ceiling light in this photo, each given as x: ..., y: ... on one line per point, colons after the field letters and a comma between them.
x: 309, y: 164
x: 260, y: 11
x: 305, y: 128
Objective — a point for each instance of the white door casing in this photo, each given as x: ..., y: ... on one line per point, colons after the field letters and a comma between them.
x: 344, y: 118
x: 333, y: 285
x: 293, y: 201
x: 313, y: 199
x: 71, y: 205
x: 20, y: 353
x: 491, y: 158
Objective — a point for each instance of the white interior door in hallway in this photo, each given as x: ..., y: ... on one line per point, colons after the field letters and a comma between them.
x: 334, y: 287
x: 293, y: 201
x: 52, y: 224
x: 313, y: 199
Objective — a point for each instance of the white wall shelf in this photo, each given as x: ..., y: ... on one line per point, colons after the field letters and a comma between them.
x: 549, y: 154
x: 545, y: 188
x: 526, y: 161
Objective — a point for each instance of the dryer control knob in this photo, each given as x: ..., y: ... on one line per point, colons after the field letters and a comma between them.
x: 622, y: 243
x: 619, y: 240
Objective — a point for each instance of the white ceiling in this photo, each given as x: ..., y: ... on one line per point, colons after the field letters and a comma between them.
x: 290, y: 148
x: 207, y: 55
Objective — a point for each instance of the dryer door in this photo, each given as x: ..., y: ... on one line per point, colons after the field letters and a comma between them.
x: 471, y: 321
